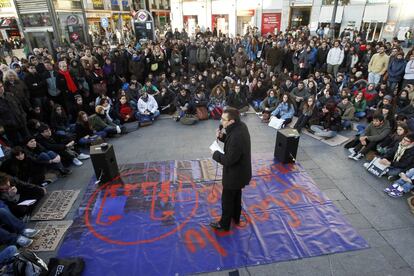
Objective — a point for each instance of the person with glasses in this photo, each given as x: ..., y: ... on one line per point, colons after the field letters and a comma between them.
x: 237, y: 168
x: 400, y: 158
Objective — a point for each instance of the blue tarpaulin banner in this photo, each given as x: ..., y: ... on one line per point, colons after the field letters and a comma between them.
x: 153, y: 220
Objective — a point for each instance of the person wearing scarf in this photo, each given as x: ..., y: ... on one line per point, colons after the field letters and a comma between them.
x: 400, y: 158
x: 63, y: 70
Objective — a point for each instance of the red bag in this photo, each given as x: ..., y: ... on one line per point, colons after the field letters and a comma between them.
x: 215, y: 114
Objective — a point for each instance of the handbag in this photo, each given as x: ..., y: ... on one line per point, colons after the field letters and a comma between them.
x: 154, y: 67
x: 276, y: 123
x: 99, y: 88
x: 201, y: 113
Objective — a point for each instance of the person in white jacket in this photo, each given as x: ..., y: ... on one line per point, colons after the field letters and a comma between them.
x: 147, y: 108
x: 409, y: 72
x: 335, y: 58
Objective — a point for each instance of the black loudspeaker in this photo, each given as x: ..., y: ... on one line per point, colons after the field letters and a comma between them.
x: 104, y: 162
x: 286, y: 148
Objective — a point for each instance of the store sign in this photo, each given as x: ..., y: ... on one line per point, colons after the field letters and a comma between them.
x: 270, y: 22
x: 98, y: 4
x: 245, y: 12
x: 142, y: 16
x: 5, y: 4
x: 104, y: 22
x: 72, y: 20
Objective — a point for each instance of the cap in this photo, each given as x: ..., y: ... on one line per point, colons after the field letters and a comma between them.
x: 388, y: 97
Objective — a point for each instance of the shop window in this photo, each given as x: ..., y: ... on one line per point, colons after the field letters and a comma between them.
x: 36, y: 19
x: 331, y: 2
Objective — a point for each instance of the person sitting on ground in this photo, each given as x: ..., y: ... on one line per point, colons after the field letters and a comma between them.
x: 166, y: 101
x: 66, y: 149
x: 375, y: 132
x: 85, y: 135
x: 13, y: 191
x: 124, y: 110
x: 403, y: 185
x: 59, y: 122
x: 200, y: 101
x: 258, y: 93
x: 299, y: 96
x: 347, y: 112
x: 217, y: 100
x: 147, y: 108
x: 183, y: 104
x: 328, y: 122
x: 13, y: 230
x: 307, y: 114
x: 391, y: 140
x: 270, y: 103
x: 400, y: 158
x: 285, y: 110
x: 325, y: 96
x: 100, y: 122
x: 43, y: 157
x: 24, y: 167
x: 237, y: 99
x: 360, y: 105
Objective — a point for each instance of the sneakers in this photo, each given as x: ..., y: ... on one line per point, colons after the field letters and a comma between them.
x: 64, y: 172
x: 30, y: 233
x: 356, y: 157
x: 366, y: 165
x: 395, y: 194
x: 22, y: 241
x: 83, y: 156
x: 77, y: 162
x: 391, y: 188
x: 352, y: 151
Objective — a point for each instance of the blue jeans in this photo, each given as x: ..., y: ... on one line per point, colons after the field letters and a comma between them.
x: 86, y: 141
x: 11, y: 226
x: 47, y: 155
x: 374, y: 78
x: 346, y: 123
x: 142, y: 118
x: 360, y: 114
x: 7, y: 253
x: 392, y: 171
x: 320, y: 131
x: 407, y: 186
x: 256, y: 104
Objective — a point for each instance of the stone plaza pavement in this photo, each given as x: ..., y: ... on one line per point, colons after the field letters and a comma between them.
x: 386, y: 223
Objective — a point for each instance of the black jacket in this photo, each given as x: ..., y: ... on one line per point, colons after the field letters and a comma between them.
x: 236, y: 160
x: 406, y: 161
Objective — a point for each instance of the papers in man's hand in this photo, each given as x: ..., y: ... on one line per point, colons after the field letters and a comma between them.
x: 216, y: 147
x: 27, y: 202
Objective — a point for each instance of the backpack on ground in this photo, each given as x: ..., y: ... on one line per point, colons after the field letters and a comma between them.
x: 215, y: 114
x: 27, y: 263
x: 66, y: 267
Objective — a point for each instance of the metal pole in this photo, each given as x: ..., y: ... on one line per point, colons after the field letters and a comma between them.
x: 332, y: 25
x: 55, y: 25
x: 86, y: 25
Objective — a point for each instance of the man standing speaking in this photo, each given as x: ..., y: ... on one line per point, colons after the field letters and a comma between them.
x: 237, y: 167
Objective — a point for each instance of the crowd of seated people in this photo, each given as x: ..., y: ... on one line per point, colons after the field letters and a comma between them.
x: 54, y: 105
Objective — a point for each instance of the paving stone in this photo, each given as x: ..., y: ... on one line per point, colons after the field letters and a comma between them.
x: 347, y: 206
x: 403, y: 242
x: 334, y: 194
x: 358, y: 221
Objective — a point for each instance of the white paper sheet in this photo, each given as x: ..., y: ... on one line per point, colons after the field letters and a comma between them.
x: 27, y: 202
x: 216, y: 147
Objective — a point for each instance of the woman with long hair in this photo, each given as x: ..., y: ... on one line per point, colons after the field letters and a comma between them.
x: 85, y: 135
x: 285, y: 110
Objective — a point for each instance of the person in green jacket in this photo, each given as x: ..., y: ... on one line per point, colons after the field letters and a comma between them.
x: 360, y: 105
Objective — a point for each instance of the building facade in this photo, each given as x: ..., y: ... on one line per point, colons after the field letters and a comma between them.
x: 378, y: 18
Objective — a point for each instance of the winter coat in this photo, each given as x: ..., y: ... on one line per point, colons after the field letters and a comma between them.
x: 377, y: 134
x: 347, y: 111
x: 409, y: 70
x: 396, y: 69
x: 284, y: 111
x: 406, y: 161
x: 274, y: 56
x: 36, y: 85
x: 19, y: 90
x: 237, y: 100
x: 236, y: 160
x: 150, y: 105
x: 11, y: 112
x: 335, y: 56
